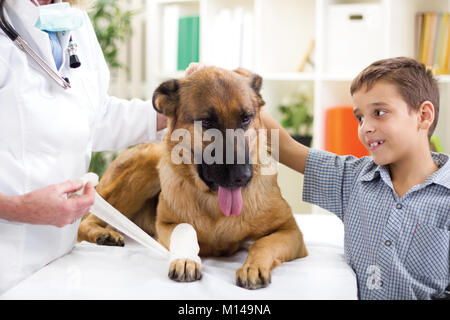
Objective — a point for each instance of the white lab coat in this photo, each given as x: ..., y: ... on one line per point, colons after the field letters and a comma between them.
x: 47, y: 133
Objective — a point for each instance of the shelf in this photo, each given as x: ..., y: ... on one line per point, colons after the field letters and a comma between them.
x: 288, y: 76
x: 336, y: 77
x: 443, y: 78
x: 296, y: 76
x: 176, y: 1
x: 281, y: 76
x: 170, y: 75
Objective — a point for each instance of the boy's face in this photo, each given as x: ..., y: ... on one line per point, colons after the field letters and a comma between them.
x: 387, y: 127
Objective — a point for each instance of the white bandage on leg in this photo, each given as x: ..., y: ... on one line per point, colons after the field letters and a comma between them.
x: 184, y: 244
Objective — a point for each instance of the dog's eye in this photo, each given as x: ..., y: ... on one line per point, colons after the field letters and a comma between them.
x: 246, y: 119
x: 207, y: 124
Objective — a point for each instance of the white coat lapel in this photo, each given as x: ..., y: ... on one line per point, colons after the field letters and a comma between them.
x: 23, y: 15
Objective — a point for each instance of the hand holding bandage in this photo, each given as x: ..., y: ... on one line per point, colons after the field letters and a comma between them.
x: 49, y: 205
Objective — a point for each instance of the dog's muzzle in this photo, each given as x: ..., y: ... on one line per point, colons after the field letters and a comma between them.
x: 227, y: 180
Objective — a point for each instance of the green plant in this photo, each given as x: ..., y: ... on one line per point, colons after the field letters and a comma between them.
x: 297, y: 116
x: 98, y: 163
x: 112, y: 26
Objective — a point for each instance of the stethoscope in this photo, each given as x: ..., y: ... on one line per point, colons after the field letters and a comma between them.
x: 25, y: 47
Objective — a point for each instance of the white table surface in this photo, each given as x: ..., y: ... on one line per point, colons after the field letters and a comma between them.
x: 90, y: 271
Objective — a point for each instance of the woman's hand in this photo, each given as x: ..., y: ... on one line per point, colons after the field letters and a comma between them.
x: 161, y: 121
x: 48, y: 206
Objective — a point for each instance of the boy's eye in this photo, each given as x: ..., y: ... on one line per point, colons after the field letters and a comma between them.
x: 380, y: 113
x: 359, y: 118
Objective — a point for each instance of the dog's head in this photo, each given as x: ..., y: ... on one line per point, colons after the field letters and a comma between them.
x: 212, y: 112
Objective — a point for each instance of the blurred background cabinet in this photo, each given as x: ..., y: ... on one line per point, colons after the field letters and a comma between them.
x: 312, y: 46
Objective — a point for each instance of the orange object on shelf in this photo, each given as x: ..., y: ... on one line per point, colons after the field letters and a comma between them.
x: 341, y: 132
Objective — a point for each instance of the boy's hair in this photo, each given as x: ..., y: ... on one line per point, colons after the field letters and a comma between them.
x: 413, y: 80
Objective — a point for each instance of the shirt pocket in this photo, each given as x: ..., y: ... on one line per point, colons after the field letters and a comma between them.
x: 428, y: 254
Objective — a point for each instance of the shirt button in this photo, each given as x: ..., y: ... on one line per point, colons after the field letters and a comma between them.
x: 380, y: 283
x: 399, y: 206
x: 388, y: 243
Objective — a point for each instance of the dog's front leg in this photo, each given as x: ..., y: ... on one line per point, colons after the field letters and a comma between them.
x: 185, y: 263
x: 269, y: 252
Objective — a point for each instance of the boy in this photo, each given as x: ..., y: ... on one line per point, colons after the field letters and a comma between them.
x: 395, y: 205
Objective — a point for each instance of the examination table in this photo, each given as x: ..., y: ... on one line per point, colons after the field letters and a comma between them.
x: 90, y: 271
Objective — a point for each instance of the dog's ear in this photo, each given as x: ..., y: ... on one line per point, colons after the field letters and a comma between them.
x: 254, y: 79
x: 255, y: 82
x: 166, y: 97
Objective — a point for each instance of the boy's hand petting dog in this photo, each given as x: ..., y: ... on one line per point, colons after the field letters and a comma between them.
x: 194, y: 67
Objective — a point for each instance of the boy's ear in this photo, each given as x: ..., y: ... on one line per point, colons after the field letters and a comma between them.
x: 166, y: 98
x: 426, y: 115
x: 254, y: 79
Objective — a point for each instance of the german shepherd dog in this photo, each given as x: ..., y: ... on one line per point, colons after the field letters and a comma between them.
x: 226, y: 202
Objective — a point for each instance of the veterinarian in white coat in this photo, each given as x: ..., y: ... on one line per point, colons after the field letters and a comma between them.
x: 47, y: 135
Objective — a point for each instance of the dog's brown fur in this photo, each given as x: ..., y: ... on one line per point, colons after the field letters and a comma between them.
x: 131, y: 185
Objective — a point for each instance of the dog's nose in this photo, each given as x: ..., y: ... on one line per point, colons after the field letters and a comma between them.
x: 240, y: 175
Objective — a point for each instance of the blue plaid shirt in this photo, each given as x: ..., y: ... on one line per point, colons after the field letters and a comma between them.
x: 398, y: 247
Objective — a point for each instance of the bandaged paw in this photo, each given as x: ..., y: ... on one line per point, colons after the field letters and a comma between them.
x: 184, y: 243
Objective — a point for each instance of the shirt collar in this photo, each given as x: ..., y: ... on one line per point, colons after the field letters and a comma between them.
x: 441, y: 177
x: 371, y: 173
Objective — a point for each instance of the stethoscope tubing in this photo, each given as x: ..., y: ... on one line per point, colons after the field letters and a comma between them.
x: 25, y: 47
x: 5, y: 26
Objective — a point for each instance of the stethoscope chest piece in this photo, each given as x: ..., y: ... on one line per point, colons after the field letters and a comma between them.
x: 74, y: 60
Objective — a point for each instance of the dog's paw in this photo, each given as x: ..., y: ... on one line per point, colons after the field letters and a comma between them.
x: 185, y: 270
x: 110, y: 238
x: 253, y: 277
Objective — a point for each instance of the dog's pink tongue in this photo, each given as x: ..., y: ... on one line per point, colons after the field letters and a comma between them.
x: 230, y: 201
